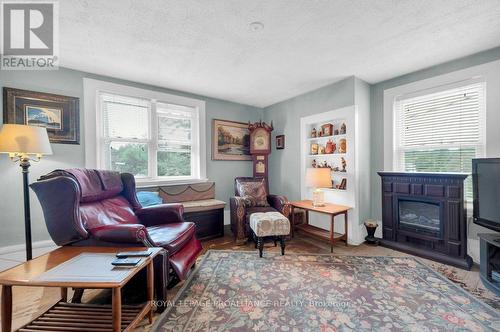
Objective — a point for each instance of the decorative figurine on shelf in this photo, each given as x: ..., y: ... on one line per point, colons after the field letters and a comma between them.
x: 343, y: 184
x: 342, y: 145
x: 330, y: 147
x: 344, y: 164
x: 313, y: 133
x: 321, y: 149
x: 327, y: 129
x: 314, y: 163
x: 342, y: 129
x: 371, y: 225
x: 335, y: 169
x: 314, y: 148
x: 325, y: 165
x: 336, y: 132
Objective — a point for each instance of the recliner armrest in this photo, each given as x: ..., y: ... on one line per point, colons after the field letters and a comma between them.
x: 161, y: 214
x: 122, y: 233
x: 280, y: 203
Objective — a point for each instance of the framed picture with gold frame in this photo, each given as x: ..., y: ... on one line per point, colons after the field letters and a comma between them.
x: 230, y: 140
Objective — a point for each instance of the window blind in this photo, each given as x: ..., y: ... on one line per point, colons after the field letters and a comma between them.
x: 174, y: 127
x: 440, y: 132
x: 125, y: 117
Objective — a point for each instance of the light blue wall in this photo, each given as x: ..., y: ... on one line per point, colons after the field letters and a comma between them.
x: 363, y: 143
x: 284, y: 165
x: 70, y: 82
x: 377, y: 112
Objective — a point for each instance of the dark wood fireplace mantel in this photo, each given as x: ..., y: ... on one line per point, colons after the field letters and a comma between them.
x: 424, y: 214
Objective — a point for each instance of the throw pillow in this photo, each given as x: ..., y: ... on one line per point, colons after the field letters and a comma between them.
x: 148, y: 198
x: 256, y: 191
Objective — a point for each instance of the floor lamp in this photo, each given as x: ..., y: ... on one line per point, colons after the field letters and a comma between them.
x: 25, y: 144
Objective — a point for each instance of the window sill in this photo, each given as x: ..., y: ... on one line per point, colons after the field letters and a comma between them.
x: 161, y: 182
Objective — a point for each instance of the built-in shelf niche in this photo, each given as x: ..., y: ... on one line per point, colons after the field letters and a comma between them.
x: 333, y: 160
x: 347, y: 196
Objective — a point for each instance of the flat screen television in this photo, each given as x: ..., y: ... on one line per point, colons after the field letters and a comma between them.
x: 486, y: 192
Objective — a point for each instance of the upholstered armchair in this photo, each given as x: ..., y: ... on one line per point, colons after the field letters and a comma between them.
x: 251, y: 195
x: 86, y: 207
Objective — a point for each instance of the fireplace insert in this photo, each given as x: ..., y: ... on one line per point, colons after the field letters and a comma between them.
x: 421, y: 217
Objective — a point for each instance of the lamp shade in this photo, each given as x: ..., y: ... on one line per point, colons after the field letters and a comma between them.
x: 318, y: 178
x: 23, y: 139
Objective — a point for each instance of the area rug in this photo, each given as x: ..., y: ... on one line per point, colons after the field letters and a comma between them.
x: 238, y: 291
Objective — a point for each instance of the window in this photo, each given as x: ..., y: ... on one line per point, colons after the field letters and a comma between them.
x: 155, y: 136
x: 441, y: 131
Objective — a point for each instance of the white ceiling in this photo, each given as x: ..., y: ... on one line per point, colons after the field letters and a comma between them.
x: 207, y: 47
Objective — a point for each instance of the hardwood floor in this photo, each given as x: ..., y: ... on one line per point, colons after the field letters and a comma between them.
x: 30, y: 302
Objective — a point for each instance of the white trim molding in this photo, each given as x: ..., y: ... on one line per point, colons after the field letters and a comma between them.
x: 92, y: 88
x: 488, y: 73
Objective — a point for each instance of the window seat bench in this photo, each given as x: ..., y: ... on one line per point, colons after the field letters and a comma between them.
x: 200, y: 206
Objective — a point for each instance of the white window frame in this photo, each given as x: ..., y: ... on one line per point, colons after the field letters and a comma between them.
x: 94, y: 129
x: 398, y: 164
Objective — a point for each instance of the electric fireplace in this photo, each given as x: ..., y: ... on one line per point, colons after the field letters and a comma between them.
x: 424, y: 214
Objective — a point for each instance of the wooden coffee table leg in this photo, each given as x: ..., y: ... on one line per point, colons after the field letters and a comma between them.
x: 150, y: 290
x: 64, y: 294
x: 292, y: 220
x: 117, y: 309
x: 6, y: 308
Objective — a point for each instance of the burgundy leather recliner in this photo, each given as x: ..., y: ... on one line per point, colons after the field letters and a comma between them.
x: 87, y: 207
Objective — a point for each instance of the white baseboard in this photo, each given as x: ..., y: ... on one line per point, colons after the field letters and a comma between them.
x: 357, y: 235
x: 473, y: 249
x: 227, y: 217
x: 22, y: 247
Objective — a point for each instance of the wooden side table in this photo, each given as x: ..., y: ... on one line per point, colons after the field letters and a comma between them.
x: 331, y: 209
x: 60, y: 268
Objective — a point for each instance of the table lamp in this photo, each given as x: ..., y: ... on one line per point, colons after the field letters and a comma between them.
x: 318, y: 178
x: 25, y: 144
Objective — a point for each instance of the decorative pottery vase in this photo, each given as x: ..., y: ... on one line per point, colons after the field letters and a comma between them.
x: 371, y: 225
x: 330, y: 147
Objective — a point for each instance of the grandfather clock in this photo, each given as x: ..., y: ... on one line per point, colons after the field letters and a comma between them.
x: 260, y: 147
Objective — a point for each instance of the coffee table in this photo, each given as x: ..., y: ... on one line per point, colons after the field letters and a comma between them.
x: 80, y: 267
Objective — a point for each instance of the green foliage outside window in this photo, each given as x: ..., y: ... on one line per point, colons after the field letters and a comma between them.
x: 442, y: 160
x: 133, y: 158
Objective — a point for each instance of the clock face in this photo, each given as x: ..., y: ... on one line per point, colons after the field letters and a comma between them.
x: 261, y: 140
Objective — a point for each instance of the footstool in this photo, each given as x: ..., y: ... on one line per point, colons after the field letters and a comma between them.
x: 269, y: 224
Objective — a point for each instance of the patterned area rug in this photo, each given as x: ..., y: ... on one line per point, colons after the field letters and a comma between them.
x: 238, y: 291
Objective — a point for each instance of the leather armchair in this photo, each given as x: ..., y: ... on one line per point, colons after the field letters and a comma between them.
x: 240, y: 211
x: 86, y: 207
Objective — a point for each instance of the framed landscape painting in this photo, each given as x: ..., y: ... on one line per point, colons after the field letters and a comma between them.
x: 230, y: 140
x: 59, y: 114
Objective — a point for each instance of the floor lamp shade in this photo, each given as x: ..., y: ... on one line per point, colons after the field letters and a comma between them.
x: 21, y: 143
x: 24, y: 140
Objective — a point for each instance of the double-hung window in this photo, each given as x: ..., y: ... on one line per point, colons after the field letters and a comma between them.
x: 156, y: 139
x: 440, y: 131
